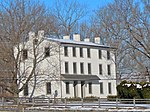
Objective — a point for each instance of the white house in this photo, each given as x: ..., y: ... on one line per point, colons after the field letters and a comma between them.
x: 72, y: 67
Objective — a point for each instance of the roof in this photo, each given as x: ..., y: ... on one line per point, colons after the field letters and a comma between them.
x: 83, y: 43
x: 70, y: 77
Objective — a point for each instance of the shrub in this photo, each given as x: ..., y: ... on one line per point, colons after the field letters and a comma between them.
x: 131, y: 91
x: 146, y: 92
x: 91, y: 98
x: 74, y: 99
x: 111, y: 97
x: 122, y: 91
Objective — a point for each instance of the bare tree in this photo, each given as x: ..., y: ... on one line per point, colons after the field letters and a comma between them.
x: 125, y: 25
x: 68, y: 15
x: 17, y: 19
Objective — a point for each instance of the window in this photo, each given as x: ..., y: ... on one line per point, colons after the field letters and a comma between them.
x: 109, y: 88
x: 25, y: 54
x: 82, y: 68
x: 47, y: 52
x: 90, y: 88
x: 88, y: 53
x: 74, y: 51
x: 108, y: 55
x: 81, y: 52
x: 108, y: 70
x: 66, y: 67
x: 67, y: 87
x: 74, y: 68
x: 48, y: 87
x: 26, y: 91
x: 100, y: 69
x: 101, y: 88
x: 89, y: 68
x: 100, y: 54
x: 35, y: 41
x: 66, y: 51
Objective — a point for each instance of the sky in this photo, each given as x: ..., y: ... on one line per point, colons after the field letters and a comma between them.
x: 91, y: 4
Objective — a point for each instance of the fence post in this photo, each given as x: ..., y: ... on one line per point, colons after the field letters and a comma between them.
x: 2, y: 101
x: 33, y: 101
x: 23, y: 109
x: 17, y: 98
x: 82, y: 102
x: 99, y: 102
x: 117, y: 103
x: 134, y: 102
x: 49, y: 101
x: 17, y: 101
x: 65, y: 102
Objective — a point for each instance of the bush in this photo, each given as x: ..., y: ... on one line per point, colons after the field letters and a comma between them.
x: 111, y: 97
x: 74, y: 99
x: 129, y: 90
x: 86, y: 99
x: 146, y: 92
x: 90, y: 98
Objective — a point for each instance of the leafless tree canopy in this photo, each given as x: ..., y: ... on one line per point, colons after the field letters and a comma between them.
x: 67, y: 14
x: 126, y: 25
x: 17, y: 18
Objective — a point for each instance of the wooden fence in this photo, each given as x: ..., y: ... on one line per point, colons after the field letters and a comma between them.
x: 24, y: 102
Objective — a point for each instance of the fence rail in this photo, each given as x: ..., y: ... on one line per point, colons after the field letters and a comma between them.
x: 23, y: 102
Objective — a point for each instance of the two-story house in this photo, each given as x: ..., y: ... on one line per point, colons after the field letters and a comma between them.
x: 75, y: 69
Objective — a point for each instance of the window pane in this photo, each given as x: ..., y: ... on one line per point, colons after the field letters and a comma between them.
x: 108, y: 70
x: 66, y: 51
x: 66, y: 67
x: 100, y: 54
x: 25, y: 54
x: 108, y: 55
x: 74, y: 51
x: 35, y: 41
x: 47, y: 51
x: 48, y: 87
x: 82, y: 68
x: 109, y: 88
x: 100, y: 69
x: 90, y: 88
x: 101, y: 88
x: 74, y: 68
x: 26, y: 91
x: 89, y: 68
x: 88, y: 53
x: 67, y: 87
x: 81, y: 52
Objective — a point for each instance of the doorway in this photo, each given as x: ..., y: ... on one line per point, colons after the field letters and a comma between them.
x: 75, y: 88
x: 82, y: 89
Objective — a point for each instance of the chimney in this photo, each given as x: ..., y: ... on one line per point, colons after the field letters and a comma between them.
x: 67, y: 37
x: 40, y: 34
x: 97, y: 40
x: 76, y: 37
x: 31, y: 35
x: 87, y: 40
